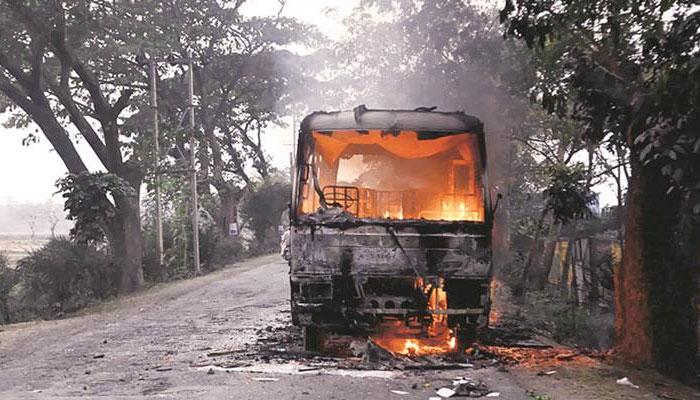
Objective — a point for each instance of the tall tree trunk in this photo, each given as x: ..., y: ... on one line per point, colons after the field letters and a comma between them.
x: 229, y: 205
x: 655, y: 287
x: 540, y: 275
x: 594, y: 281
x: 633, y: 340
x: 127, y: 243
x: 531, y: 254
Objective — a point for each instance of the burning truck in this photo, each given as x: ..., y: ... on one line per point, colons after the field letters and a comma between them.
x: 390, y: 228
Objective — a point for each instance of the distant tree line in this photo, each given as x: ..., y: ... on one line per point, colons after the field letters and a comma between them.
x: 33, y: 219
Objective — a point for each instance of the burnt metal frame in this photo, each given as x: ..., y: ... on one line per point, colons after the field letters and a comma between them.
x: 340, y: 195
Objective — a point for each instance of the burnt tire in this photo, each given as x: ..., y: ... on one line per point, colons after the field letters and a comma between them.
x: 466, y: 337
x: 295, y: 317
x: 313, y: 338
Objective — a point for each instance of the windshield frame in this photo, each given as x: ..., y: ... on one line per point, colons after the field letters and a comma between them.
x: 304, y: 172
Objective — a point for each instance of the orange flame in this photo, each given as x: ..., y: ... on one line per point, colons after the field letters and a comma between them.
x: 411, y: 346
x: 437, y: 338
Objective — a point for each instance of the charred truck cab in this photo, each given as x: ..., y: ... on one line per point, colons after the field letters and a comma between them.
x: 391, y: 226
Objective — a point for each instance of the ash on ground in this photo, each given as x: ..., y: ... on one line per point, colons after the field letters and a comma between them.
x: 282, y: 342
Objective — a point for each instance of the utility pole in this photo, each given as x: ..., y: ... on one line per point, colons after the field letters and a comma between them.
x: 156, y: 163
x: 143, y: 58
x: 193, y: 172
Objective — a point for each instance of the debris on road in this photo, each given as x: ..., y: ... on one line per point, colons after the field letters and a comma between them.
x: 445, y: 392
x: 547, y: 373
x: 469, y: 388
x: 375, y: 353
x: 399, y: 392
x: 222, y: 352
x: 266, y: 379
x: 626, y: 382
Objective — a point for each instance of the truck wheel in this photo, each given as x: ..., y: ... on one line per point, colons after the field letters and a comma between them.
x: 466, y: 336
x: 313, y: 338
x: 295, y: 317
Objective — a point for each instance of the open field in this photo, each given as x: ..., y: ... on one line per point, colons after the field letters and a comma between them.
x: 18, y: 246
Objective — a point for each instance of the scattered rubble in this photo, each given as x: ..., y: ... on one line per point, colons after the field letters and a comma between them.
x: 375, y: 353
x: 445, y: 392
x: 279, y: 350
x: 469, y: 388
x: 222, y: 352
x: 547, y: 373
x: 626, y: 382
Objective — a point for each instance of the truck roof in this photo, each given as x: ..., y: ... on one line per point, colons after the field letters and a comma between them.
x: 419, y: 120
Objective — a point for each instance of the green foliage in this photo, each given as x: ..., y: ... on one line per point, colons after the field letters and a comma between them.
x: 263, y: 208
x: 630, y: 68
x: 8, y: 279
x: 568, y: 195
x: 216, y: 249
x: 88, y: 200
x: 567, y: 322
x: 66, y: 275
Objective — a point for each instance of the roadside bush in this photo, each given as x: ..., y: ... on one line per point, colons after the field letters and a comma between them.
x: 177, y: 256
x: 567, y: 322
x: 263, y: 210
x: 509, y: 272
x: 217, y: 249
x: 65, y: 276
x: 7, y: 282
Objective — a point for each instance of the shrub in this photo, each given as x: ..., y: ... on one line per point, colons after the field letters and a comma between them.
x: 263, y: 210
x: 217, y: 249
x: 7, y: 282
x: 65, y: 276
x: 567, y: 322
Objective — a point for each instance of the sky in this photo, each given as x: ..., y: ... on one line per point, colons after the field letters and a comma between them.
x: 30, y: 172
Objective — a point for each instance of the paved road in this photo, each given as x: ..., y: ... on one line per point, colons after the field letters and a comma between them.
x: 155, y: 345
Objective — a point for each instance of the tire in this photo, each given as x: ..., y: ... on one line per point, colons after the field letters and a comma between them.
x: 295, y: 316
x: 313, y: 338
x: 466, y: 336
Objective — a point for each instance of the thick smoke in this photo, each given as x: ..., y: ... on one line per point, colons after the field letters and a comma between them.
x: 448, y: 55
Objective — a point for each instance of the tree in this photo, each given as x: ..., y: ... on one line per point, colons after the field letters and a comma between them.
x: 631, y: 71
x: 554, y: 142
x: 263, y: 208
x: 242, y: 80
x: 53, y: 218
x: 7, y: 281
x: 70, y: 68
x: 243, y: 90
x: 66, y: 66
